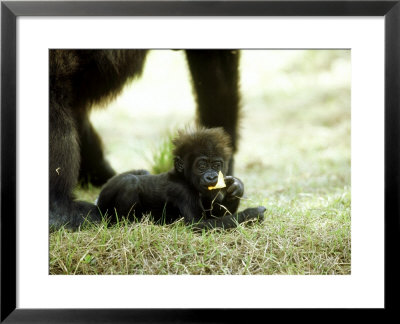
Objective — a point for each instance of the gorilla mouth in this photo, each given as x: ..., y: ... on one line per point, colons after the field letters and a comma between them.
x: 220, y: 183
x: 205, y: 185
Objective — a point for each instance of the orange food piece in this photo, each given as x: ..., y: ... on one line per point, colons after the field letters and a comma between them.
x: 220, y: 184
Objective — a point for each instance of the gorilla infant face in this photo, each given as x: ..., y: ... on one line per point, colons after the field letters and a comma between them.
x: 205, y: 172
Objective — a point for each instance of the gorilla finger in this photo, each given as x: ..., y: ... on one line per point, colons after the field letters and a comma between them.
x: 237, y: 193
x: 230, y: 189
x: 229, y: 180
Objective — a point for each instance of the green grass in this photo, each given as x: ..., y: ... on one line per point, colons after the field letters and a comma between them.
x: 293, y: 157
x: 307, y: 236
x: 294, y: 239
x: 162, y: 159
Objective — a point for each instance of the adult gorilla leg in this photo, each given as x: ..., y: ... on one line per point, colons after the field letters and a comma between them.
x: 64, y: 170
x: 215, y: 75
x: 94, y: 167
x: 79, y: 79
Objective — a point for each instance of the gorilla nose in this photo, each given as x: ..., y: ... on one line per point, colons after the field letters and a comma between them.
x: 211, y: 179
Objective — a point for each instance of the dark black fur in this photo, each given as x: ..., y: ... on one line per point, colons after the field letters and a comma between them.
x: 183, y: 191
x: 81, y: 78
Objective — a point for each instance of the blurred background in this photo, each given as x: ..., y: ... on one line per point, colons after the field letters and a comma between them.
x: 294, y: 129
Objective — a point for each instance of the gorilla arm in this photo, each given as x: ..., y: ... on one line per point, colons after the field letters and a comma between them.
x: 192, y: 210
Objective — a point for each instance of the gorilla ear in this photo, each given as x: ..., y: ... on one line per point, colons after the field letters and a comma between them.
x: 179, y: 165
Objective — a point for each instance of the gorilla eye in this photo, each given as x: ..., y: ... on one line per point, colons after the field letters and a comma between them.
x: 202, y: 165
x: 217, y: 165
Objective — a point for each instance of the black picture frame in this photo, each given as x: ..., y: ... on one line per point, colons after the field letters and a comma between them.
x: 10, y: 10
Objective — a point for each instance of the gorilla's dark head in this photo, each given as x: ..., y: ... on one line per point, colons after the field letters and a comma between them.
x: 200, y: 154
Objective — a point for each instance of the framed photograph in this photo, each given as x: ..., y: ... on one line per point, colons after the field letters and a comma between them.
x: 305, y: 95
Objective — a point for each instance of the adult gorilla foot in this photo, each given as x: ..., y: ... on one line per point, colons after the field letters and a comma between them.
x: 72, y: 214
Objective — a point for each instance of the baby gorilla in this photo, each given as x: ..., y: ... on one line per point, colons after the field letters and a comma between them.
x: 199, y: 156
